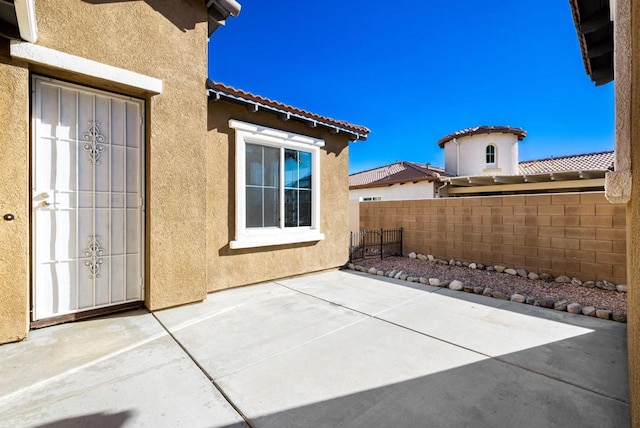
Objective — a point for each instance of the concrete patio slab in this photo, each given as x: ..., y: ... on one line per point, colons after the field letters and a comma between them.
x: 363, y: 293
x: 581, y: 350
x: 122, y: 370
x: 325, y: 350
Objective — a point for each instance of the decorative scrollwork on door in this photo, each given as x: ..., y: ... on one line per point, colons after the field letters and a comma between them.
x: 94, y: 146
x: 94, y: 251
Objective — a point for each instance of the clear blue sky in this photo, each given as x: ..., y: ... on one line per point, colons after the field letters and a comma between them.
x: 417, y: 70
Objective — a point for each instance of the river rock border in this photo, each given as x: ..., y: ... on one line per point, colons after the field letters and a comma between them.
x: 549, y: 303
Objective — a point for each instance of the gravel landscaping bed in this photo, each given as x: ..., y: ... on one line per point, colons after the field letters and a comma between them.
x: 565, y: 296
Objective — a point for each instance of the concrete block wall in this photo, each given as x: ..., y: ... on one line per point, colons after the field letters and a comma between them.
x: 580, y: 235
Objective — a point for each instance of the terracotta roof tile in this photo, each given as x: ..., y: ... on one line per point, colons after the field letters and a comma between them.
x: 519, y: 132
x: 584, y: 162
x: 285, y: 108
x: 399, y: 172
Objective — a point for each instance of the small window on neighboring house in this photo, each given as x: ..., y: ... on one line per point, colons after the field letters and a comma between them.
x: 370, y: 198
x: 277, y: 187
x: 491, y: 154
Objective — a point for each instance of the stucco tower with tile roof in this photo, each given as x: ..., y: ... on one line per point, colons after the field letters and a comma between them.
x: 490, y: 150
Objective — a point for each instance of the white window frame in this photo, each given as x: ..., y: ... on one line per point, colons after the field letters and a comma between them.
x: 495, y: 155
x: 248, y: 133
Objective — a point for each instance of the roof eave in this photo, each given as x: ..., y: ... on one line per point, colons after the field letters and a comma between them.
x: 391, y: 182
x: 216, y: 94
x: 219, y: 11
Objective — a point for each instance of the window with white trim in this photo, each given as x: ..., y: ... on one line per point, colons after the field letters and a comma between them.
x: 491, y: 155
x: 277, y: 186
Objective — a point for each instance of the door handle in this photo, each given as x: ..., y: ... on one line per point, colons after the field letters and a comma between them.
x: 45, y: 204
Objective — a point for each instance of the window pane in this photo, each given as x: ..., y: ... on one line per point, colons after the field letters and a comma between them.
x: 271, y: 166
x: 290, y: 168
x: 271, y: 207
x: 305, y: 170
x: 291, y: 208
x: 255, y: 207
x: 304, y: 208
x: 254, y: 164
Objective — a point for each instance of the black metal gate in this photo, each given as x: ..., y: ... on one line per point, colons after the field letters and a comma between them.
x: 375, y: 243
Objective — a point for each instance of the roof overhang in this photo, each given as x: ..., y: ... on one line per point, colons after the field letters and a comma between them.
x: 594, y: 26
x: 219, y: 11
x: 391, y: 182
x: 285, y: 115
x: 525, y: 182
x: 18, y: 20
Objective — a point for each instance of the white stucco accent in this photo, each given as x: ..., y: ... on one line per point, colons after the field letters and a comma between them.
x: 396, y: 192
x: 63, y: 61
x: 26, y: 15
x: 467, y: 155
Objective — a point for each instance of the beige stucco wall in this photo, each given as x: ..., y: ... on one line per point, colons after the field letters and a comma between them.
x: 229, y: 268
x: 14, y: 179
x: 627, y: 54
x: 168, y: 41
x: 163, y: 39
x: 397, y: 192
x: 472, y: 154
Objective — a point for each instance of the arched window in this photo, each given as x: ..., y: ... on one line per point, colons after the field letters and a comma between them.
x: 491, y: 154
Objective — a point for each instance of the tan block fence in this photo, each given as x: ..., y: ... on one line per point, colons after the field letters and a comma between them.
x: 578, y: 235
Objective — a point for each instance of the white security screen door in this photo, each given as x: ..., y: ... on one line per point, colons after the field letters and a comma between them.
x: 87, y: 207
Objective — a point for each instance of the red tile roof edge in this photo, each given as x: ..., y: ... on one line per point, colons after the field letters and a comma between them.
x: 437, y: 172
x: 484, y: 129
x: 221, y: 87
x: 567, y: 156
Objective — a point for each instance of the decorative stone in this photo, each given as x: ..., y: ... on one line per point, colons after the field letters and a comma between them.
x: 499, y: 268
x: 546, y: 277
x: 536, y: 303
x: 576, y: 281
x: 404, y: 276
x: 561, y: 305
x: 511, y: 271
x: 589, y: 311
x: 444, y: 283
x: 606, y: 285
x: 430, y: 258
x: 487, y: 292
x: 412, y: 255
x: 531, y: 301
x: 351, y: 266
x: 392, y: 274
x: 491, y: 268
x: 480, y: 266
x: 473, y: 266
x: 442, y: 262
x: 589, y: 284
x: 411, y: 279
x: 619, y: 316
x: 465, y: 264
x: 518, y: 298
x: 574, y: 308
x: 424, y: 280
x: 456, y: 285
x: 380, y: 273
x: 422, y: 257
x: 547, y: 302
x: 499, y: 295
x: 604, y: 314
x: 522, y: 272
x: 373, y: 270
x: 459, y: 264
x: 622, y: 288
x: 533, y: 276
x: 398, y: 274
x: 434, y: 281
x: 563, y: 279
x: 361, y: 268
x: 452, y: 262
x: 468, y: 289
x: 478, y: 289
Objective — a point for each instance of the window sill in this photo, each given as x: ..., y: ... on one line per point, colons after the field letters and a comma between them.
x: 281, y: 239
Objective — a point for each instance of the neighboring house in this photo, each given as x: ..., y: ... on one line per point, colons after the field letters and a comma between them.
x: 482, y: 161
x: 398, y: 181
x: 125, y: 183
x: 610, y: 44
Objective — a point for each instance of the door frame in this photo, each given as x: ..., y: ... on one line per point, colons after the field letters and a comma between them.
x: 90, y: 312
